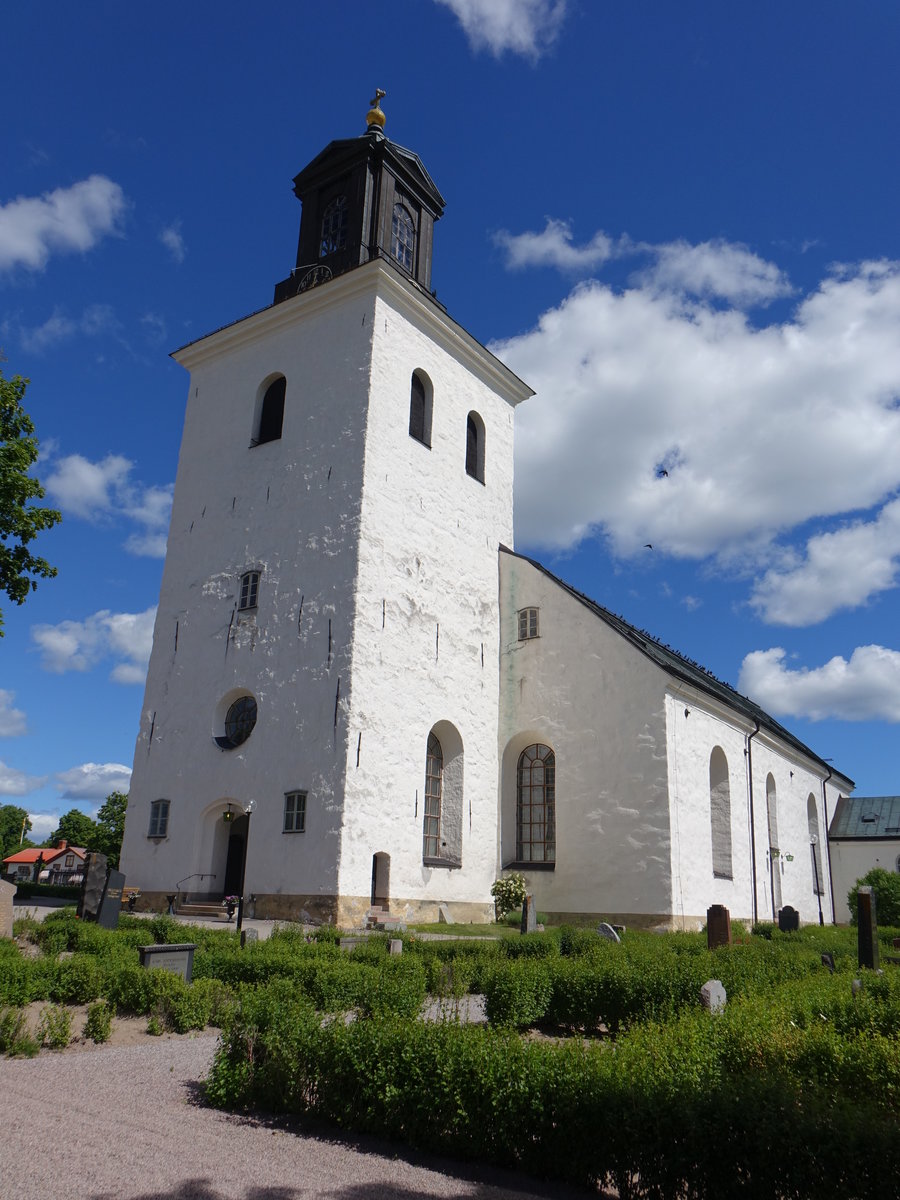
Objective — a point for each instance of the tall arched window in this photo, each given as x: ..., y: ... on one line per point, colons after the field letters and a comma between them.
x: 420, y: 405
x: 271, y: 414
x: 334, y: 227
x: 815, y: 846
x: 434, y: 783
x: 536, y: 805
x: 403, y: 237
x: 774, y: 852
x: 475, y: 446
x: 720, y: 814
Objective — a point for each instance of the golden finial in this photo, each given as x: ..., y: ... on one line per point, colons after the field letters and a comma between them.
x: 375, y: 118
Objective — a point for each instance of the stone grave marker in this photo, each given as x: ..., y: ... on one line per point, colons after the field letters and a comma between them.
x: 529, y: 915
x: 7, y: 891
x: 713, y: 996
x: 605, y: 930
x: 177, y: 958
x: 718, y: 926
x: 111, y: 904
x: 444, y: 917
x: 249, y: 935
x: 868, y: 950
x: 788, y: 919
x: 396, y: 945
x: 828, y: 961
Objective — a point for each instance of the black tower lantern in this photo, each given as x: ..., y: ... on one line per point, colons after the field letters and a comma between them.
x: 364, y: 198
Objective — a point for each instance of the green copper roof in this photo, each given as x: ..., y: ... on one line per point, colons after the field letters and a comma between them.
x: 866, y: 817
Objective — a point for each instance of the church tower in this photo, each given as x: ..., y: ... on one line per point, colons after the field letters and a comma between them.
x: 327, y: 638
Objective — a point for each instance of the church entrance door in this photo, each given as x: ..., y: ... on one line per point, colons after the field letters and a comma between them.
x: 381, y: 880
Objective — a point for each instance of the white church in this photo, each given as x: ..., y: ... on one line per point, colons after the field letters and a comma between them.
x: 359, y: 695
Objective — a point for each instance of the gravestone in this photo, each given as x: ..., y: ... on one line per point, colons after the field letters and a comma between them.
x: 718, y: 926
x: 867, y: 933
x: 444, y: 917
x: 605, y: 930
x: 713, y: 996
x: 111, y: 904
x: 396, y: 946
x: 828, y: 961
x: 92, y: 886
x: 177, y: 958
x: 249, y: 935
x: 7, y: 891
x: 529, y: 915
x: 350, y: 943
x: 788, y: 919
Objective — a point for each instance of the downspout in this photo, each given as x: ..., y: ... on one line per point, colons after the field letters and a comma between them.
x: 753, y: 822
x: 828, y: 845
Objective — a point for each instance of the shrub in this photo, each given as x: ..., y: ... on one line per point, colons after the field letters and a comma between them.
x: 517, y: 994
x: 509, y: 893
x: 886, y: 886
x: 15, y: 1039
x: 56, y: 1027
x: 98, y: 1025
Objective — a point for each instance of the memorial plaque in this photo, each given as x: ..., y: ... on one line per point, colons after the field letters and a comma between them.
x: 788, y: 919
x: 718, y: 926
x: 868, y: 949
x: 111, y: 905
x: 177, y: 958
x: 529, y: 915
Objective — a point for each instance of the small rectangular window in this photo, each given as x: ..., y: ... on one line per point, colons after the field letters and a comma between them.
x: 249, y: 590
x: 295, y: 812
x: 528, y: 623
x: 159, y: 819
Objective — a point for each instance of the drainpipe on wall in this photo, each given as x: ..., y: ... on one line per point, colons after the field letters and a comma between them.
x: 753, y: 821
x: 828, y: 846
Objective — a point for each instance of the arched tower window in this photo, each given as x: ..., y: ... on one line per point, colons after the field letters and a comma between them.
x: 420, y: 408
x: 720, y: 814
x: 403, y: 237
x: 271, y: 413
x: 774, y: 852
x: 434, y: 785
x: 475, y: 446
x: 334, y: 227
x: 815, y: 846
x: 536, y: 805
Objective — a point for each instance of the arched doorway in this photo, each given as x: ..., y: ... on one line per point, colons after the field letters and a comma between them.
x: 381, y: 880
x: 234, y: 856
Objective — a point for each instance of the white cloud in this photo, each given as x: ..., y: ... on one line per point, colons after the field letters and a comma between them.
x: 552, y: 247
x: 67, y: 219
x: 95, y: 320
x: 526, y: 27
x: 758, y: 429
x: 866, y: 688
x: 93, y: 781
x: 17, y: 783
x: 42, y: 825
x: 80, y: 645
x: 12, y: 720
x: 715, y: 269
x: 842, y: 569
x: 171, y: 238
x: 98, y: 491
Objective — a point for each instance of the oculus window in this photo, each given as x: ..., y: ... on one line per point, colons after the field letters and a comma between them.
x: 294, y: 812
x: 159, y: 819
x: 240, y: 720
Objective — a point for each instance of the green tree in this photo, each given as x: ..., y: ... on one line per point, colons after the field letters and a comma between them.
x: 886, y: 885
x: 111, y: 824
x: 77, y: 829
x: 20, y: 521
x: 12, y: 819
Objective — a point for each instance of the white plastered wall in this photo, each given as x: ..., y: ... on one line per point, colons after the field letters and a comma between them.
x: 851, y: 860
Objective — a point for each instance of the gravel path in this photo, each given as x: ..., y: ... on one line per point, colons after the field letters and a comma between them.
x: 129, y: 1123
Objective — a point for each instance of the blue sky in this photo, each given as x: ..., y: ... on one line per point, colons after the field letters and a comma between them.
x: 676, y: 222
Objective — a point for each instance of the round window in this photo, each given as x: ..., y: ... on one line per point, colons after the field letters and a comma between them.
x: 239, y: 720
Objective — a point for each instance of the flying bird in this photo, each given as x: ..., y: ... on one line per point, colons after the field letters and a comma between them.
x: 648, y: 546
x: 661, y: 472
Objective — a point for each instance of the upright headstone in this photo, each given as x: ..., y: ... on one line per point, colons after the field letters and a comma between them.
x: 7, y: 891
x: 111, y: 904
x: 93, y: 886
x: 396, y: 945
x: 788, y: 919
x: 249, y: 935
x: 444, y: 916
x: 529, y: 915
x: 713, y: 996
x: 718, y: 926
x: 867, y: 931
x: 828, y: 961
x: 606, y: 930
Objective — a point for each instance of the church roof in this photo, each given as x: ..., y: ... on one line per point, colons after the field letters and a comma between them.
x: 683, y: 668
x: 866, y: 818
x: 406, y: 162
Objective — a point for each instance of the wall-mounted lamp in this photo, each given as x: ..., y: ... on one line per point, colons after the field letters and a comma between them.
x: 228, y: 815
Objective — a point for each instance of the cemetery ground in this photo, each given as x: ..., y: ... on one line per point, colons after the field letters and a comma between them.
x: 598, y: 1066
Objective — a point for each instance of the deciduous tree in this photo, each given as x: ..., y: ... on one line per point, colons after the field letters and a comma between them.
x: 111, y: 825
x: 12, y: 821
